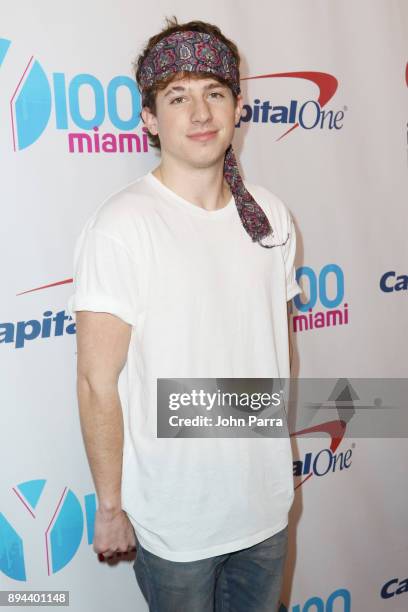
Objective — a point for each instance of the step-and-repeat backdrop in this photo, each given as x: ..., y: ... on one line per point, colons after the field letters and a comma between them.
x: 324, y: 127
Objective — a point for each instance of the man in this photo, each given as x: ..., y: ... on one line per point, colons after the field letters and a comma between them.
x: 186, y: 273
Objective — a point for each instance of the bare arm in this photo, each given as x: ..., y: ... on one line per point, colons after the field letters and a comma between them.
x: 102, y: 343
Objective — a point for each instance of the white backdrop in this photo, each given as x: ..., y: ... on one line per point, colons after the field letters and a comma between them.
x: 346, y: 186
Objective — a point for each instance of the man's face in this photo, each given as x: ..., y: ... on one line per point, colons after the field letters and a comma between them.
x: 194, y: 120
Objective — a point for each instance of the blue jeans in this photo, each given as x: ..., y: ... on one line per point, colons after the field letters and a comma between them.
x: 247, y: 580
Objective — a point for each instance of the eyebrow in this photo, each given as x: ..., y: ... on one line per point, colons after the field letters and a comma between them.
x: 178, y: 88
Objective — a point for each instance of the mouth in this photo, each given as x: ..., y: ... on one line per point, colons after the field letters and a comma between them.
x: 202, y: 136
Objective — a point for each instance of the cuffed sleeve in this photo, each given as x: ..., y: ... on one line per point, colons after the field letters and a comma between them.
x: 105, y: 277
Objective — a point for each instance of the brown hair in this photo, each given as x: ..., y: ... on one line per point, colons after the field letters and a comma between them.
x: 173, y: 26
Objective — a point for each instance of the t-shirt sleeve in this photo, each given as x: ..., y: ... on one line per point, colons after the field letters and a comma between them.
x: 105, y: 277
x: 289, y: 252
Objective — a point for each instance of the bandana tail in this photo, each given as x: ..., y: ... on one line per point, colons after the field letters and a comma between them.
x: 251, y: 214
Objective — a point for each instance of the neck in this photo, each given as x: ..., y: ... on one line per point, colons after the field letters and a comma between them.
x: 205, y: 187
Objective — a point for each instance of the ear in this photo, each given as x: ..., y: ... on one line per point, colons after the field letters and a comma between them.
x: 238, y: 107
x: 149, y: 120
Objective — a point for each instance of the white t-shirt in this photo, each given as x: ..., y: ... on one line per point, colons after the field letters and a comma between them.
x: 204, y: 301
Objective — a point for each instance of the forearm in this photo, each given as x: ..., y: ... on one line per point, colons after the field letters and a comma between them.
x: 101, y: 420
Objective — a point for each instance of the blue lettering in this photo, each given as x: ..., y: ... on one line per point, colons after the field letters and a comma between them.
x: 314, y: 601
x: 385, y: 593
x: 383, y: 280
x: 22, y: 334
x: 74, y: 87
x: 115, y: 83
x: 255, y: 117
x: 309, y: 273
x: 279, y: 115
x: 329, y: 465
x: 314, y: 293
x: 60, y: 101
x: 302, y: 110
x: 320, y: 606
x: 347, y: 457
x: 245, y: 117
x: 318, y: 467
x: 400, y: 285
x: 338, y: 116
x: 345, y: 595
x: 325, y: 301
x: 266, y: 107
x: 18, y: 333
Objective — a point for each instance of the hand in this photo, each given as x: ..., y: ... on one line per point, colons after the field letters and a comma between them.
x: 114, y: 533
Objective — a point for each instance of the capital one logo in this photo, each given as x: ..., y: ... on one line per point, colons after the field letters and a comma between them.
x: 328, y: 460
x: 307, y: 115
x: 42, y: 528
x: 81, y: 105
x: 325, y: 289
x: 390, y: 282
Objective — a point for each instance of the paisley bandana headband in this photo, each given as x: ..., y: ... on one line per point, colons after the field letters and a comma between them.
x: 202, y: 52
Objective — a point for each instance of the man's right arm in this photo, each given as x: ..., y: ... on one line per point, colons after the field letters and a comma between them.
x: 102, y: 346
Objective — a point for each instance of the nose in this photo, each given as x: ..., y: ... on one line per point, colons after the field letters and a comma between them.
x: 201, y: 112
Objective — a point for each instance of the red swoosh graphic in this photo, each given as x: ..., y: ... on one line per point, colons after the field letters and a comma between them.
x: 336, y: 431
x: 63, y: 282
x: 326, y: 83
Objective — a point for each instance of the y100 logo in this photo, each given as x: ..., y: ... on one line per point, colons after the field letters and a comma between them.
x: 318, y: 291
x: 55, y: 537
x: 338, y: 601
x: 35, y: 95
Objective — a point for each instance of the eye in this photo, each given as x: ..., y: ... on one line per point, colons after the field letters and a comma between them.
x: 176, y: 100
x: 216, y: 93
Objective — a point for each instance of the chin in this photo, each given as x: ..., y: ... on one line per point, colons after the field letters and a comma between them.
x: 206, y: 162
x: 206, y: 157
